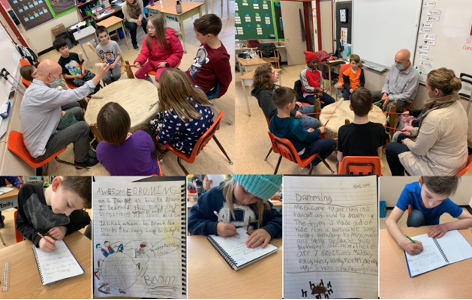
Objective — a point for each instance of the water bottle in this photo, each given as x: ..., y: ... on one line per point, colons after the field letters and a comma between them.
x: 178, y: 7
x: 78, y: 28
x: 151, y: 2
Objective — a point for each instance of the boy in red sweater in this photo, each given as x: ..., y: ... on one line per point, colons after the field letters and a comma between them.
x: 211, y: 63
x: 312, y: 81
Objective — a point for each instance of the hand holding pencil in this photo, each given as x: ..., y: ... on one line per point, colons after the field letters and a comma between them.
x: 46, y: 243
x: 411, y: 246
x: 224, y: 229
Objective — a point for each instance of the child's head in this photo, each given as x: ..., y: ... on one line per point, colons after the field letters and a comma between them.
x: 354, y: 59
x: 284, y: 98
x: 253, y: 190
x: 113, y: 123
x: 436, y: 189
x: 174, y: 89
x: 442, y: 81
x: 28, y: 72
x: 207, y: 27
x: 265, y: 77
x: 156, y: 29
x: 70, y: 193
x: 60, y: 45
x: 102, y: 34
x: 311, y: 59
x: 361, y: 101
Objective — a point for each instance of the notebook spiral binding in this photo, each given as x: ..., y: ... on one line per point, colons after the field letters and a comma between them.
x: 440, y: 249
x: 184, y: 239
x: 231, y: 262
x: 39, y: 265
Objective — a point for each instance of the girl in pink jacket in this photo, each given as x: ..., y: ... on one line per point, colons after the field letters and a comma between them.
x: 161, y: 49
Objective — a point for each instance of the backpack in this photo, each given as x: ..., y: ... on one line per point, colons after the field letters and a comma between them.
x: 27, y: 54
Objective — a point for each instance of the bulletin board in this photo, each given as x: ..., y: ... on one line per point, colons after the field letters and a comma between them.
x: 61, y: 7
x: 339, y: 24
x: 253, y: 19
x: 31, y: 13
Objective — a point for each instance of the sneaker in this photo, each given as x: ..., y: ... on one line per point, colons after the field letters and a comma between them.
x: 136, y: 47
x: 2, y: 224
x: 89, y: 162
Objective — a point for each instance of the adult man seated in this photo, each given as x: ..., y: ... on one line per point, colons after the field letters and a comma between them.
x: 400, y: 85
x: 40, y: 114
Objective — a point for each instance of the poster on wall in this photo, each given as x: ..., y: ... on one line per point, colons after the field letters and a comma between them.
x: 61, y: 7
x: 343, y: 36
x: 32, y: 13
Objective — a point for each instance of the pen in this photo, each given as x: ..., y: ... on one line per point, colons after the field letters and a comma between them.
x: 44, y: 238
x: 219, y: 218
x: 410, y: 239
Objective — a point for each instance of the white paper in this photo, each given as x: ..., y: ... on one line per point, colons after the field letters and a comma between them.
x: 426, y: 58
x: 256, y: 6
x: 57, y: 264
x: 236, y: 7
x: 455, y: 246
x: 422, y: 52
x: 343, y: 36
x: 248, y: 19
x: 431, y: 12
x: 432, y: 18
x: 424, y: 47
x: 430, y: 36
x: 330, y: 237
x: 245, y: 4
x: 427, y: 25
x: 4, y: 189
x: 430, y: 43
x: 428, y: 259
x: 426, y: 30
x: 137, y: 238
x: 426, y: 63
x: 265, y: 6
x: 429, y: 4
x: 258, y: 18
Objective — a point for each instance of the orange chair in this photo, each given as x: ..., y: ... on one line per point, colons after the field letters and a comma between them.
x: 201, y: 143
x: 160, y: 170
x: 18, y: 236
x: 274, y: 148
x: 467, y: 167
x: 340, y: 84
x: 360, y: 165
x: 287, y: 150
x: 24, y: 62
x: 153, y: 73
x: 17, y: 146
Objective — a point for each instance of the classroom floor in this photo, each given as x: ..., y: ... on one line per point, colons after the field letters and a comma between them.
x: 8, y: 232
x: 253, y: 140
x: 211, y: 160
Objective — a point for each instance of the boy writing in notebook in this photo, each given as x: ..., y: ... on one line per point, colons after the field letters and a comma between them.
x: 428, y: 199
x: 56, y: 209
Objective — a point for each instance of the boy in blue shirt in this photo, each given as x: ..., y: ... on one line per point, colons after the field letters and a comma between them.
x: 283, y: 125
x: 429, y: 199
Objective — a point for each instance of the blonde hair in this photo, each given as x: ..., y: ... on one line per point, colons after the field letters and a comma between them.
x: 174, y: 90
x: 444, y: 80
x: 259, y: 206
x: 158, y: 22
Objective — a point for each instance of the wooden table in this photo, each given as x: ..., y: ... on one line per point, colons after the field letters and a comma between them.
x: 25, y: 282
x: 113, y: 23
x: 330, y: 66
x: 85, y: 35
x: 209, y: 275
x: 247, y: 80
x: 10, y: 199
x: 138, y: 97
x: 169, y: 12
x: 449, y: 282
x: 252, y: 62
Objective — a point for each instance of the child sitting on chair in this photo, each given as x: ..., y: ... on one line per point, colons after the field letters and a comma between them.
x: 285, y: 126
x: 28, y: 72
x: 352, y: 77
x: 121, y: 152
x: 313, y: 82
x: 187, y: 112
x: 109, y: 52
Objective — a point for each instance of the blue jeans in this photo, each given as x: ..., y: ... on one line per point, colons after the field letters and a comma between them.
x: 415, y: 219
x: 322, y: 146
x: 326, y: 98
x: 392, y: 151
x: 346, y: 94
x: 308, y: 121
x: 133, y: 27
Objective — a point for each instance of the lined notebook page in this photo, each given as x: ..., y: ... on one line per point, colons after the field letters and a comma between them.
x: 428, y: 259
x: 58, y: 264
x: 138, y: 234
x: 235, y: 247
x: 330, y: 237
x: 455, y: 246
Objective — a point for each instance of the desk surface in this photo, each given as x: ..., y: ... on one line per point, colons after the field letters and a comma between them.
x: 110, y: 21
x: 333, y: 66
x: 115, y: 10
x: 87, y: 31
x: 10, y: 194
x: 250, y: 75
x: 25, y: 282
x: 252, y: 62
x: 210, y: 276
x: 186, y: 7
x: 446, y: 282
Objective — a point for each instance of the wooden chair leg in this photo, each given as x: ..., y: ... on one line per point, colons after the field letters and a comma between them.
x: 393, y: 110
x: 129, y: 72
x: 83, y: 103
x: 317, y: 109
x: 278, y: 163
x: 270, y: 151
x: 94, y: 130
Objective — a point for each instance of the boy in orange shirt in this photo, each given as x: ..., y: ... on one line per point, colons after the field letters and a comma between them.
x: 353, y: 77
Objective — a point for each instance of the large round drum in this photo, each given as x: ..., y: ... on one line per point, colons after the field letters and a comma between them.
x: 137, y: 96
x: 342, y: 113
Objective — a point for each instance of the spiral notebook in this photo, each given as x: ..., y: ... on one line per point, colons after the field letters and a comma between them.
x: 58, y: 264
x: 234, y: 250
x: 139, y: 237
x: 452, y: 247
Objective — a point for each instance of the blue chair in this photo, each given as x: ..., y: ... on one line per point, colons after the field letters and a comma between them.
x: 214, y: 94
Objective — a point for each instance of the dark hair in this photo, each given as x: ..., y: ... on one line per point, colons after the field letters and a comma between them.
x: 209, y: 23
x: 444, y: 80
x: 283, y: 96
x: 361, y: 101
x: 263, y: 77
x: 441, y: 185
x: 81, y: 185
x: 100, y: 29
x: 27, y: 72
x: 113, y: 123
x: 59, y: 43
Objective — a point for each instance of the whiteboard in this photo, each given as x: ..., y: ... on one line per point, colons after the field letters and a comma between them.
x: 10, y: 60
x: 382, y: 27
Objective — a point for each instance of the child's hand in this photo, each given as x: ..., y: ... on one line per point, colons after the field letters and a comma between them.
x: 260, y: 236
x: 63, y: 113
x: 82, y: 74
x: 310, y: 130
x: 385, y: 103
x: 406, y: 113
x: 47, y: 246
x: 437, y: 231
x: 320, y: 94
x: 299, y: 104
x: 225, y: 229
x: 298, y: 115
x: 58, y: 232
x: 137, y: 65
x: 351, y: 90
x: 412, y: 248
x: 162, y: 64
x: 322, y: 129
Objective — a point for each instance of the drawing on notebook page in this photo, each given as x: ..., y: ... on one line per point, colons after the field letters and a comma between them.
x: 319, y: 290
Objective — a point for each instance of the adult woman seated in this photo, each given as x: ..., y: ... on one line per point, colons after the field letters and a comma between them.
x: 134, y: 17
x: 265, y: 78
x: 441, y: 146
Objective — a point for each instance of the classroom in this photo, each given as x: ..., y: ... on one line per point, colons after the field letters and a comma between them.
x: 396, y: 57
x: 139, y: 102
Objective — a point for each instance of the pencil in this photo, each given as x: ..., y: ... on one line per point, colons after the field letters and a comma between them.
x: 219, y: 218
x: 410, y: 239
x: 44, y: 238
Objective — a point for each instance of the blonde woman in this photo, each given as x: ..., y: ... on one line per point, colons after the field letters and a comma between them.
x: 441, y: 146
x: 134, y: 17
x: 240, y: 202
